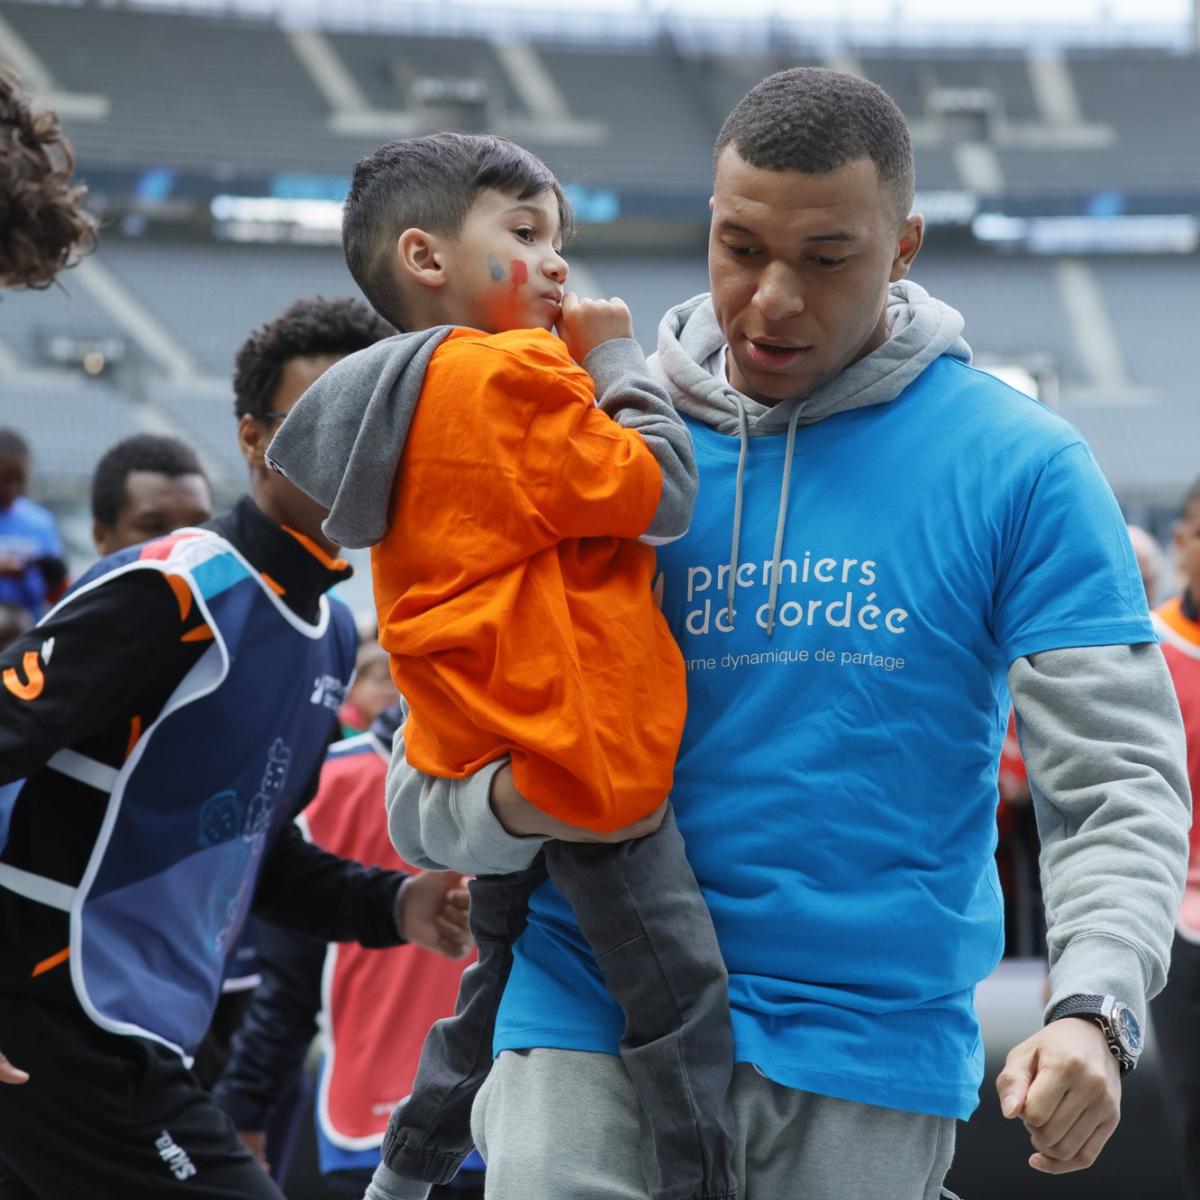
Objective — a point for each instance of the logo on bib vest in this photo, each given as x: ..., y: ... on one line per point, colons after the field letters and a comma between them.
x: 174, y: 1156
x: 328, y: 691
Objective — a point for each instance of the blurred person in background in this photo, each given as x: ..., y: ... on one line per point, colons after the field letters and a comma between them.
x: 374, y: 1009
x: 158, y: 733
x: 1177, y: 1010
x: 1149, y: 557
x: 42, y: 224
x: 32, y: 572
x: 144, y: 487
x: 854, y: 465
x: 372, y: 690
x: 14, y: 622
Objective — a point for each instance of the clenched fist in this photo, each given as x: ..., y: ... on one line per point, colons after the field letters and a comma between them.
x: 584, y: 324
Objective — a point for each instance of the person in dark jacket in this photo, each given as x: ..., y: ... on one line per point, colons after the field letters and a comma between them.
x: 159, y: 730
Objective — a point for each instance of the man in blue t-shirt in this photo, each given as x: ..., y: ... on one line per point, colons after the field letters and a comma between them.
x: 32, y: 571
x: 887, y: 545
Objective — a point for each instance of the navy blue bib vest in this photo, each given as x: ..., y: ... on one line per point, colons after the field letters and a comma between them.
x: 205, y: 790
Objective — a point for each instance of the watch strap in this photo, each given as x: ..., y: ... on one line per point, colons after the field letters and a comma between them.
x: 1081, y: 1005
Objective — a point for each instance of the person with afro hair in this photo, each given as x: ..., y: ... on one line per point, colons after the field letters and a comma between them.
x: 43, y: 226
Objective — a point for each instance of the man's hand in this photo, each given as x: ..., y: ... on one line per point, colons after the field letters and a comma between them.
x: 256, y: 1142
x: 522, y: 819
x: 584, y: 324
x: 433, y: 912
x: 11, y: 1074
x: 1064, y: 1083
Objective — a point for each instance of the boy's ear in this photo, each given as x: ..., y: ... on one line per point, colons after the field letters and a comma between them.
x: 420, y: 258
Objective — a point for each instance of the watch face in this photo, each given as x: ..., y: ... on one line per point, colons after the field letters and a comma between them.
x: 1128, y: 1029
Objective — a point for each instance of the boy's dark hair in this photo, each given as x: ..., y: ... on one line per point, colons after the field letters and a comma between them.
x: 430, y: 183
x: 42, y: 227
x: 142, y: 452
x: 307, y: 327
x: 815, y: 120
x: 13, y: 446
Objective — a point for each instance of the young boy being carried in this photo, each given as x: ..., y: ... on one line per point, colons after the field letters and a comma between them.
x: 512, y: 486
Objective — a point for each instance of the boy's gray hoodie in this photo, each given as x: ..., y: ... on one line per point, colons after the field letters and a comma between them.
x: 1099, y: 727
x: 342, y: 441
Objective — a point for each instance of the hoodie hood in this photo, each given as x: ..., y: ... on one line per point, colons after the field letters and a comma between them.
x: 921, y: 328
x: 342, y: 442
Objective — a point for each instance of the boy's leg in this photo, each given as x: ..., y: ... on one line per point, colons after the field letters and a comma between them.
x: 104, y: 1115
x: 640, y: 908
x: 429, y: 1133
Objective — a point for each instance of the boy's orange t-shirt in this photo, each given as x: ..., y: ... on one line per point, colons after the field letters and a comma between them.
x: 512, y: 597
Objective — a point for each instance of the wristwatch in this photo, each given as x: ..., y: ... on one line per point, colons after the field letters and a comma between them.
x: 1116, y: 1020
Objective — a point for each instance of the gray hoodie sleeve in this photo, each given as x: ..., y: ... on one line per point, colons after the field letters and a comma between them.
x: 628, y: 394
x: 1103, y: 740
x: 447, y: 824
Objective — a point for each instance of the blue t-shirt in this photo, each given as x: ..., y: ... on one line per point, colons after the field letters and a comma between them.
x: 27, y: 533
x: 836, y: 785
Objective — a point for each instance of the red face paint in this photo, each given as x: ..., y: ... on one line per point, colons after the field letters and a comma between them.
x: 519, y: 273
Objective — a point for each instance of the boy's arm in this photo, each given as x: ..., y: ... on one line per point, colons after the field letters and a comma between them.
x: 599, y: 336
x: 626, y: 392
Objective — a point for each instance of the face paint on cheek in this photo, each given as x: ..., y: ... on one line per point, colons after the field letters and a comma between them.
x: 519, y: 273
x: 495, y: 270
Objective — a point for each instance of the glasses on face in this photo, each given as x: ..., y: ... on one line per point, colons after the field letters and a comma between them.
x: 272, y: 416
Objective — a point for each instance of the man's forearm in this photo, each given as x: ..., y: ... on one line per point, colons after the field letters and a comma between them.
x: 1103, y: 740
x: 449, y: 824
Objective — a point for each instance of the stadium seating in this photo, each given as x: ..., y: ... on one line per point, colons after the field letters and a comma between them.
x: 186, y: 92
x: 69, y: 421
x: 229, y: 98
x: 209, y: 296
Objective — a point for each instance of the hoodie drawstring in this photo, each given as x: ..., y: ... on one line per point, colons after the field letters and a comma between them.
x: 781, y: 520
x: 744, y: 430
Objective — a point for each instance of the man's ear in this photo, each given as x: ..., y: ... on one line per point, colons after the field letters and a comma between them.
x: 100, y: 533
x: 253, y: 439
x: 420, y: 258
x: 912, y: 238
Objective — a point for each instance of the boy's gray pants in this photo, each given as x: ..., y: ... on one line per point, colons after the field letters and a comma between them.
x: 563, y: 1125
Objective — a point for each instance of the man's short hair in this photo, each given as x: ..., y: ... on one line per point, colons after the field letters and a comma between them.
x: 307, y: 327
x: 430, y: 183
x: 142, y: 452
x: 814, y: 120
x: 42, y: 227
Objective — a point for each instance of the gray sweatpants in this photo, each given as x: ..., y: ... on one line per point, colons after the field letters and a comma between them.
x: 563, y: 1125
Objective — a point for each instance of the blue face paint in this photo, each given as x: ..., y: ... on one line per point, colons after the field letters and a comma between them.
x: 497, y: 271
